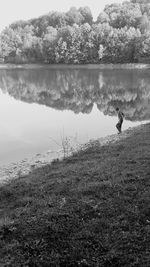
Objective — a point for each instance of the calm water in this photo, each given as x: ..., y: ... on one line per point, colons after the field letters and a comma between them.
x: 38, y: 108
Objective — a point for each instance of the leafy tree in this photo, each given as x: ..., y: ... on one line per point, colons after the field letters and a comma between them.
x: 57, y: 19
x: 141, y: 1
x: 68, y: 48
x: 85, y: 44
x: 144, y: 25
x: 101, y: 51
x: 86, y: 14
x: 103, y: 18
x: 74, y: 16
x: 132, y: 44
x: 18, y: 24
x: 127, y: 14
x: 144, y: 50
x: 49, y: 43
x: 10, y: 41
x: 61, y: 51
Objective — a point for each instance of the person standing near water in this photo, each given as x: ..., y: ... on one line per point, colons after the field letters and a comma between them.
x: 120, y: 117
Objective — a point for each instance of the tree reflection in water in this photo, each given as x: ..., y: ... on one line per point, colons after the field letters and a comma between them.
x: 78, y: 89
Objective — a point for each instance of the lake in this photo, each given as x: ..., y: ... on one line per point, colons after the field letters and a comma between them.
x: 39, y: 108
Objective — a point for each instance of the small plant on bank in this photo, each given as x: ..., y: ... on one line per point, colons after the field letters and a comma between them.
x: 68, y: 145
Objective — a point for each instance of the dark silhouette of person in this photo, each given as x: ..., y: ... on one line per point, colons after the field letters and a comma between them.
x: 120, y: 117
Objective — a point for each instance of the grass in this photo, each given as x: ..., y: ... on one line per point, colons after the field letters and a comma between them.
x: 91, y: 209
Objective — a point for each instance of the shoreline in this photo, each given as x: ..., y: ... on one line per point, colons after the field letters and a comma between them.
x: 12, y: 171
x: 107, y: 66
x: 97, y: 199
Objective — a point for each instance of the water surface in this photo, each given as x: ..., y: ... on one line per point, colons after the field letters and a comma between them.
x: 39, y: 108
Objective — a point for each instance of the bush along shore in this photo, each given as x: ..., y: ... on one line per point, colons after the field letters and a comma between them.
x: 90, y: 209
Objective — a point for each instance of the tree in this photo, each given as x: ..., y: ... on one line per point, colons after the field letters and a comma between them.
x: 11, y: 42
x: 132, y: 44
x: 49, y: 43
x: 140, y: 1
x: 144, y: 25
x: 144, y: 50
x: 101, y: 51
x: 102, y: 18
x: 57, y: 19
x: 127, y: 14
x: 18, y: 24
x: 68, y: 46
x: 86, y: 15
x: 85, y: 43
x: 74, y: 16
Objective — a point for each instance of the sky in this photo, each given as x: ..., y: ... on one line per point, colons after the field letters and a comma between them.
x: 13, y: 10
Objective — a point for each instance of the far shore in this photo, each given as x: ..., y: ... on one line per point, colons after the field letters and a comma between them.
x: 109, y: 66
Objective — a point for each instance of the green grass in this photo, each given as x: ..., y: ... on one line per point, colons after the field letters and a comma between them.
x: 92, y: 209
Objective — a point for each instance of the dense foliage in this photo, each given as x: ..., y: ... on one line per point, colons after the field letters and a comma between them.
x: 121, y: 33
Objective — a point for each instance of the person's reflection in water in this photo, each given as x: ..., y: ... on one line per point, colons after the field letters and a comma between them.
x: 120, y: 117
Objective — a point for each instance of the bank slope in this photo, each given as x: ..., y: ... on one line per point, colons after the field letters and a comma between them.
x: 92, y: 209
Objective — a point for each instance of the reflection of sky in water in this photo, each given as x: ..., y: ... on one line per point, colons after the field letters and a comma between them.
x: 27, y: 129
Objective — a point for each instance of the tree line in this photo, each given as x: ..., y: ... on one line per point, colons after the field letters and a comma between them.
x: 120, y: 34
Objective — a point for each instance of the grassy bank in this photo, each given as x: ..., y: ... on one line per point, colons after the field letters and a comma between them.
x: 76, y: 66
x: 92, y: 209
